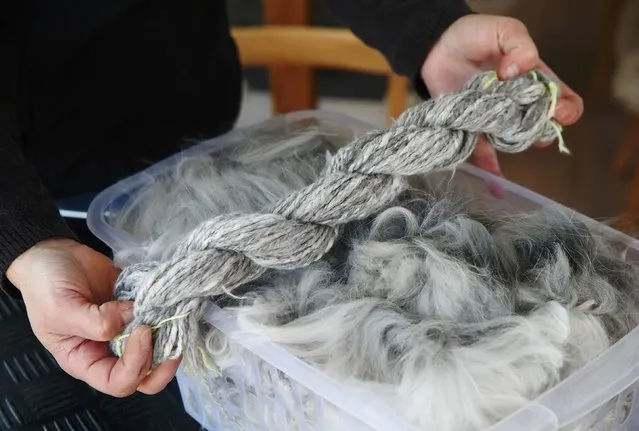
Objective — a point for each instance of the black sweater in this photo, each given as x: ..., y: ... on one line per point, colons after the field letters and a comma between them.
x: 93, y: 91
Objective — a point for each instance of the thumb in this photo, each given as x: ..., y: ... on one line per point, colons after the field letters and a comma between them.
x: 97, y: 322
x: 520, y: 54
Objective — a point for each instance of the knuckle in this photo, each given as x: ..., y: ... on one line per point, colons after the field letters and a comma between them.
x: 515, y: 25
x: 104, y: 329
x: 516, y: 29
x: 532, y: 53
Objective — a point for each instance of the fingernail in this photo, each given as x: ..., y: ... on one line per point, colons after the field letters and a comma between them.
x: 146, y: 339
x: 512, y: 71
x: 127, y: 315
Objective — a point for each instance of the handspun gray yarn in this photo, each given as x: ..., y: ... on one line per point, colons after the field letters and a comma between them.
x: 446, y: 309
x: 232, y: 249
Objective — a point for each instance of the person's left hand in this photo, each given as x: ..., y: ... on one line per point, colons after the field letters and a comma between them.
x: 478, y: 43
x: 66, y: 287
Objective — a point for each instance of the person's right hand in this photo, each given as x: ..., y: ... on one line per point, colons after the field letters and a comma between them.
x: 67, y: 287
x: 477, y: 43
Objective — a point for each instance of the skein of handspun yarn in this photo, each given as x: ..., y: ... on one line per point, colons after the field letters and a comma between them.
x: 454, y: 316
x: 359, y: 180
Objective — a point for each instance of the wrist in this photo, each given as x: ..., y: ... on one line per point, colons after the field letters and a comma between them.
x: 20, y: 267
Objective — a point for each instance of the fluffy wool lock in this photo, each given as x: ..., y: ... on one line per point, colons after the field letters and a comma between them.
x: 362, y: 261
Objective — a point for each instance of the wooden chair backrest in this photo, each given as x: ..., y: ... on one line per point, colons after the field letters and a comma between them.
x: 318, y: 47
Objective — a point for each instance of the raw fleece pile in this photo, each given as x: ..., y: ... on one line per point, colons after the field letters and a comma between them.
x: 458, y: 318
x: 232, y: 249
x: 454, y: 316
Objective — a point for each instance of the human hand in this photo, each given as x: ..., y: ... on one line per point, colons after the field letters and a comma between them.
x: 477, y: 43
x: 66, y: 288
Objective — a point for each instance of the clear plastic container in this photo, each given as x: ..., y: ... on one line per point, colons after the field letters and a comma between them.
x: 599, y: 397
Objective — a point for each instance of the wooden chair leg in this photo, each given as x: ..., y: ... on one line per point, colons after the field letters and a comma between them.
x: 397, y: 96
x: 292, y: 88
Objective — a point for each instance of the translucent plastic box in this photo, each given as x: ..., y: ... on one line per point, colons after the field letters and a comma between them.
x: 599, y: 397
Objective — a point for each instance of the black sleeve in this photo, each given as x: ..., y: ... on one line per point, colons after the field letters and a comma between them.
x: 27, y: 214
x: 404, y: 31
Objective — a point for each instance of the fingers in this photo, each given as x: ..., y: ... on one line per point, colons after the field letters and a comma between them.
x: 96, y: 322
x: 159, y: 377
x: 104, y: 284
x: 519, y: 50
x: 485, y: 157
x: 570, y: 106
x: 93, y: 363
x: 521, y: 56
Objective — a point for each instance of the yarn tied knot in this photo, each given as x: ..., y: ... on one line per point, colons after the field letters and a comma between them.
x: 359, y: 180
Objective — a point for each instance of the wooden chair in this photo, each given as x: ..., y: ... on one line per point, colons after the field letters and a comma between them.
x: 317, y: 48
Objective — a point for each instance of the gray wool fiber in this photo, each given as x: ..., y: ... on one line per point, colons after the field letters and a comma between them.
x: 365, y: 260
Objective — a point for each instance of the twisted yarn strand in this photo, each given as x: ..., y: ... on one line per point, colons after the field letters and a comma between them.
x: 360, y: 179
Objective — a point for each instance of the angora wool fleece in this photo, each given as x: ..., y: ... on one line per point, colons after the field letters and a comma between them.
x: 454, y: 316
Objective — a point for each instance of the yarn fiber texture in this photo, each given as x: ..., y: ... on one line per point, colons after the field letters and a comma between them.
x: 442, y: 306
x: 359, y: 180
x: 453, y: 317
